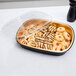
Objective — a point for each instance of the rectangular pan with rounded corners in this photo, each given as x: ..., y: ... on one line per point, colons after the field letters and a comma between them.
x: 50, y: 52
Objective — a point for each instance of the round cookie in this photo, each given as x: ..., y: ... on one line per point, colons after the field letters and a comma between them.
x: 59, y: 37
x: 66, y: 36
x: 65, y: 44
x: 56, y: 46
x: 58, y: 33
x: 61, y: 29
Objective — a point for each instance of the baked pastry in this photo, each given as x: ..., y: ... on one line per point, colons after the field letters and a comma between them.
x: 38, y: 34
x: 24, y: 42
x: 45, y: 34
x: 51, y: 36
x: 59, y: 33
x: 31, y: 38
x: 59, y: 37
x: 57, y: 46
x: 61, y: 29
x: 52, y: 28
x: 66, y: 36
x: 44, y: 30
x: 65, y: 44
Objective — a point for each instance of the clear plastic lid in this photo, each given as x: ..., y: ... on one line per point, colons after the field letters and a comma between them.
x: 35, y: 22
x: 38, y: 31
x: 34, y: 15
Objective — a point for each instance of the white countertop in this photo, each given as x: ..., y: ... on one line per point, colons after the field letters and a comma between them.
x: 14, y: 62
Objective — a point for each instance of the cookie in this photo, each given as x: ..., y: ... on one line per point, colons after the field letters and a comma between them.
x: 44, y: 30
x: 24, y: 42
x: 59, y: 33
x: 39, y: 34
x: 52, y: 28
x: 61, y: 29
x: 31, y: 38
x: 56, y: 46
x: 59, y: 37
x: 45, y: 34
x: 32, y: 43
x: 66, y: 36
x: 65, y: 44
x: 51, y: 36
